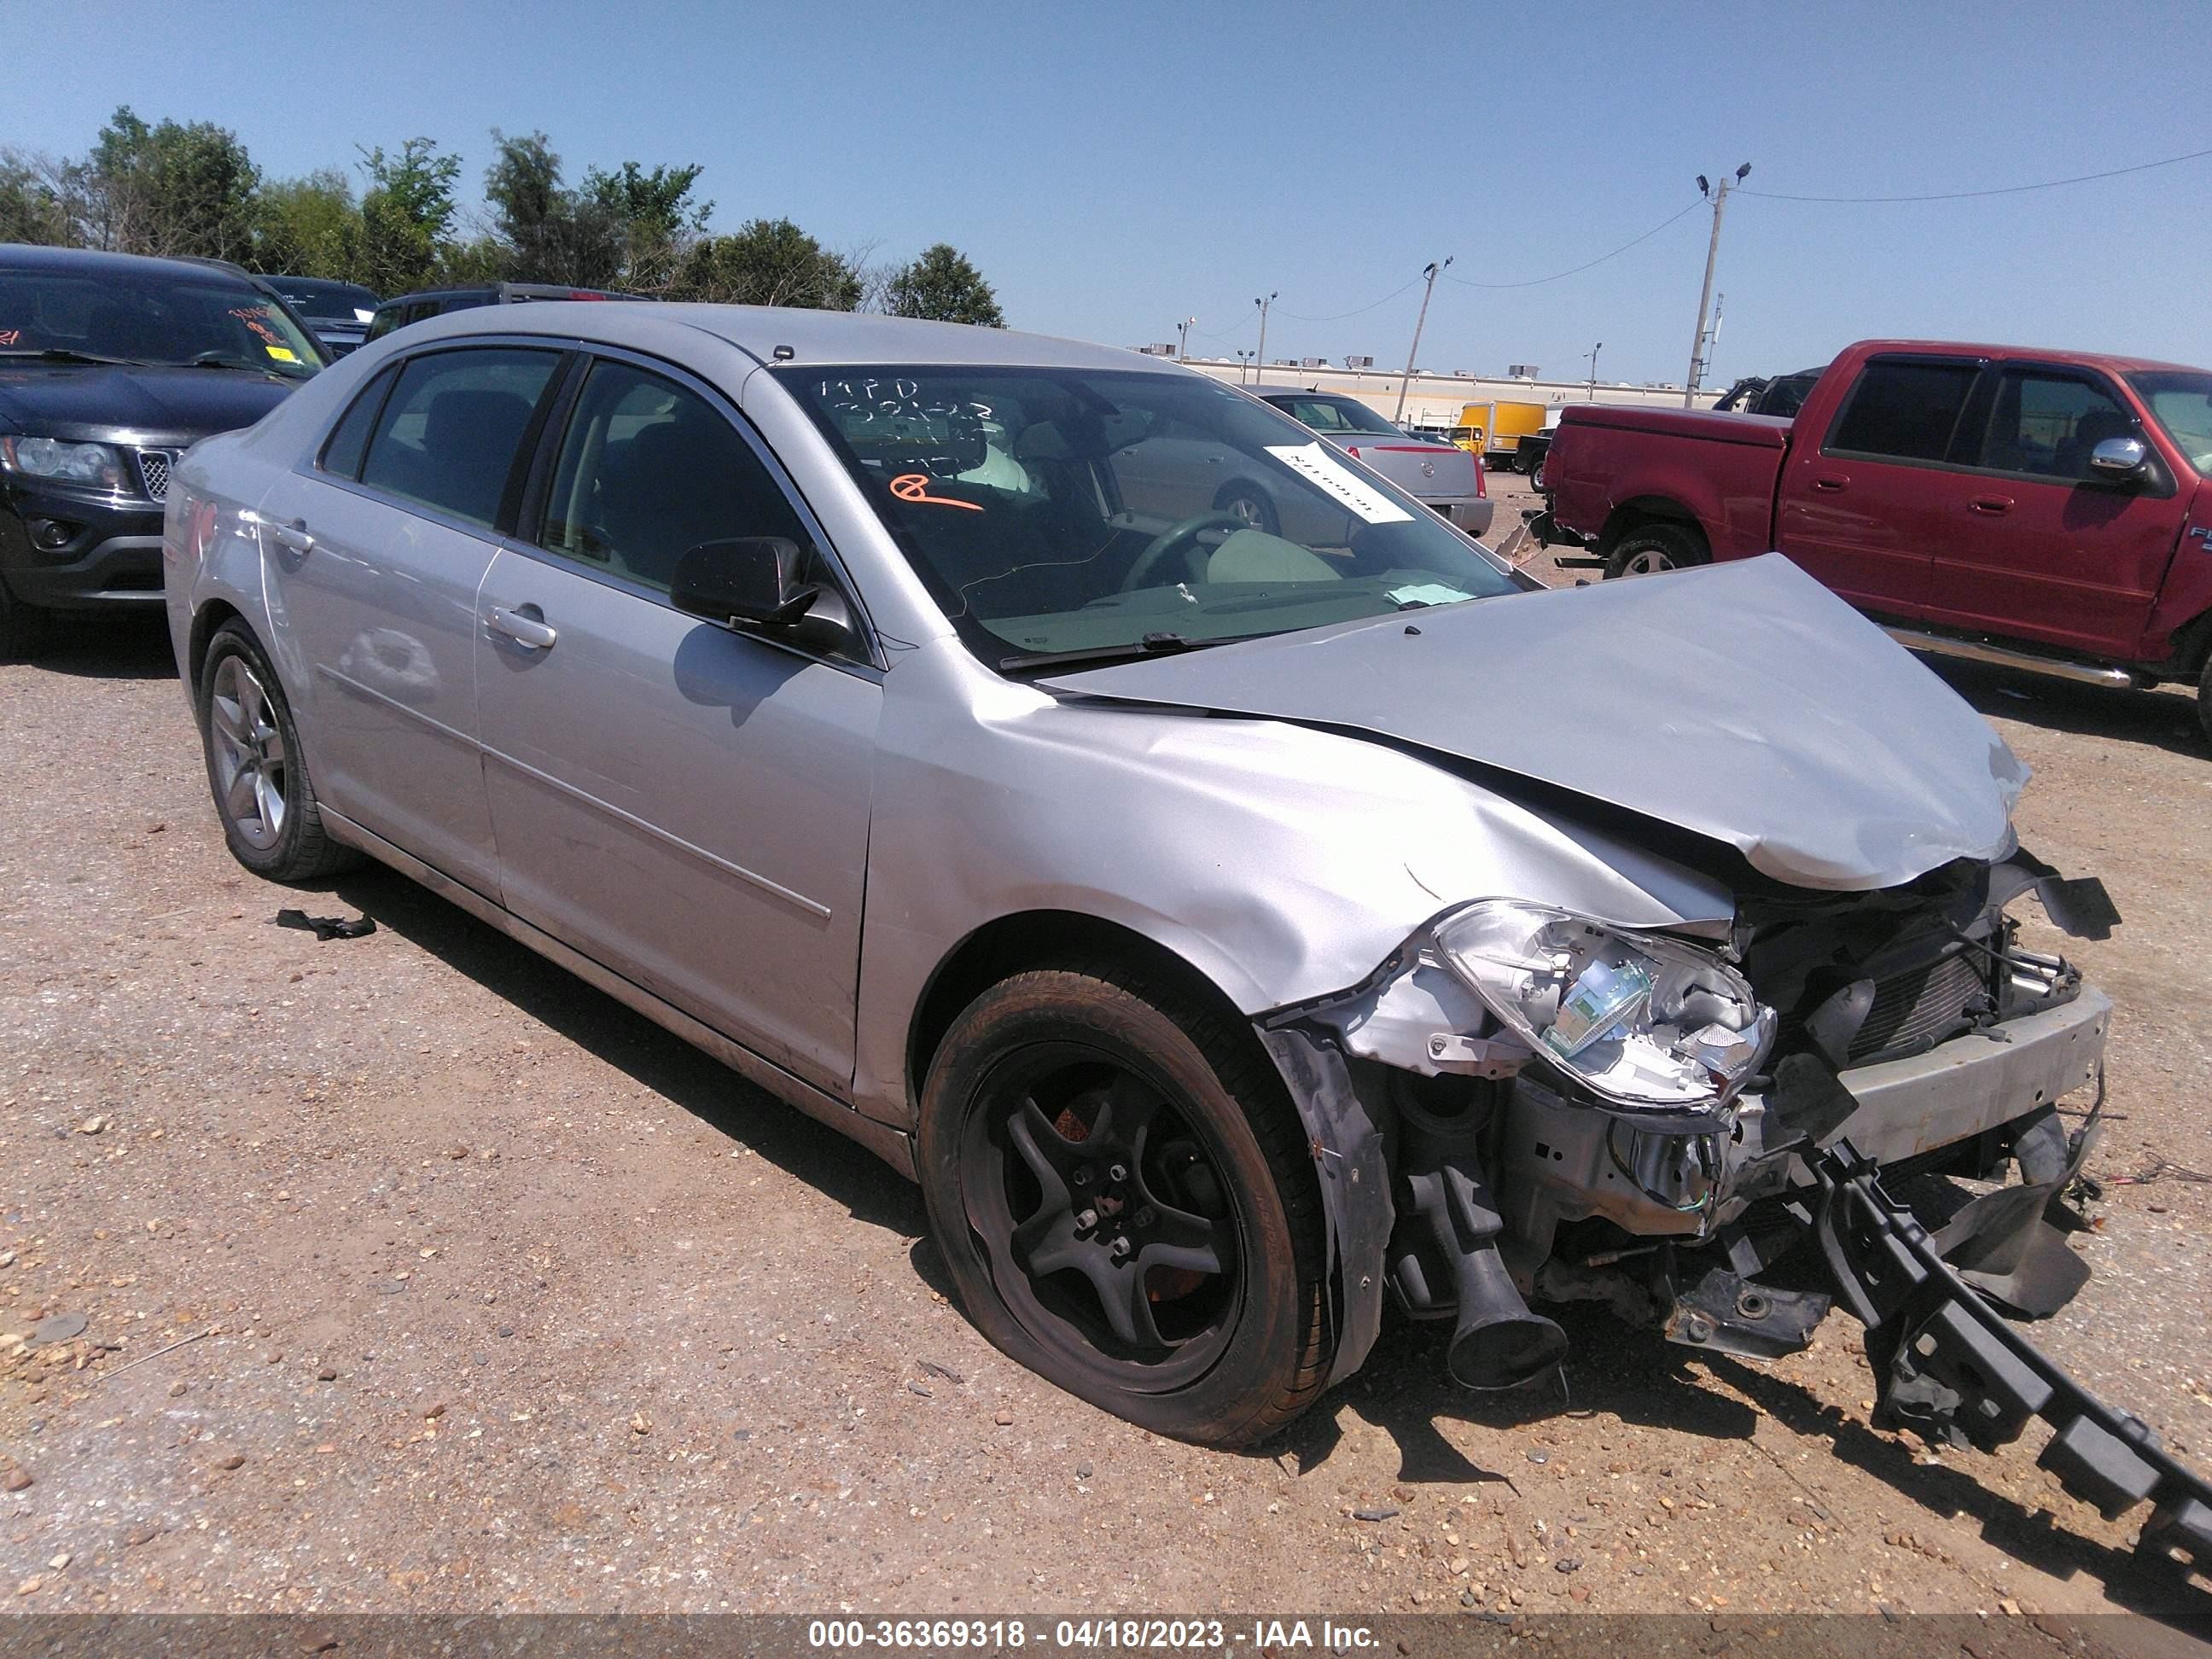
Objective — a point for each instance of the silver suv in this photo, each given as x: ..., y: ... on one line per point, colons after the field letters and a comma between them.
x: 1230, y: 926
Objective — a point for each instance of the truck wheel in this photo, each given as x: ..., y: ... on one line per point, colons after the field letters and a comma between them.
x: 1122, y: 1192
x: 2204, y: 699
x: 1650, y: 548
x: 257, y: 768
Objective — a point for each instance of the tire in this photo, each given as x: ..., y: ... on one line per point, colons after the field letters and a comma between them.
x: 1212, y: 1326
x: 1251, y: 503
x: 1526, y: 461
x: 1650, y: 549
x: 256, y: 770
x: 2204, y: 699
x: 23, y: 628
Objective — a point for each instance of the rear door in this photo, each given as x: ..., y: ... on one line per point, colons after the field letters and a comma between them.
x: 377, y: 549
x: 1865, y: 504
x: 685, y: 804
x: 2045, y: 548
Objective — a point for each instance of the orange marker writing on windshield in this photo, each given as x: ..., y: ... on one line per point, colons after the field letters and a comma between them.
x: 914, y: 486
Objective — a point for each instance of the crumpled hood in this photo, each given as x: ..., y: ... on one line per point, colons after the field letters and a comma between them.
x: 1741, y: 701
x: 95, y: 401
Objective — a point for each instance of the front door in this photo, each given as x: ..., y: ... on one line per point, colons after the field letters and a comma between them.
x: 685, y: 804
x: 377, y: 550
x: 2047, y: 549
x: 1864, y: 504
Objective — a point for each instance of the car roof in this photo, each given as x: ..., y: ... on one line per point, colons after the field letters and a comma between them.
x: 21, y: 256
x: 2045, y: 354
x: 766, y: 332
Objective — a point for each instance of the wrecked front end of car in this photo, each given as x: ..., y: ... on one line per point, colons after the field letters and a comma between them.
x: 1564, y: 1110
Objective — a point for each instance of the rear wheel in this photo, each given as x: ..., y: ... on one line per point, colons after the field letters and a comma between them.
x: 1251, y: 505
x: 1650, y: 549
x: 256, y: 767
x: 1121, y: 1191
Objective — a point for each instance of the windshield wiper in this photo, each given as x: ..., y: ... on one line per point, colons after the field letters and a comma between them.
x: 1153, y: 645
x: 63, y: 355
x: 223, y: 360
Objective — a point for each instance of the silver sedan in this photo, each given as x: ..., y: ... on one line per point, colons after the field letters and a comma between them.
x: 1230, y: 924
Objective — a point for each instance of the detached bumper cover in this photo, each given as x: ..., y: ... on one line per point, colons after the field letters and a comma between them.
x: 1949, y: 1366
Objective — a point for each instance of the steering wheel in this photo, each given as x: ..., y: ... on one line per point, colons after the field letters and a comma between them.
x: 1180, y: 535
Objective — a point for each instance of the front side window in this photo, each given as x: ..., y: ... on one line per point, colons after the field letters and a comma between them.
x: 1051, y: 511
x: 648, y: 471
x: 2180, y: 400
x: 153, y: 318
x: 2047, y: 424
x: 1903, y: 412
x: 449, y: 431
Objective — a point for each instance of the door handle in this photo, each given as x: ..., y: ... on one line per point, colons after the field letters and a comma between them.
x: 1994, y: 506
x: 528, y: 632
x: 1830, y: 483
x: 294, y: 536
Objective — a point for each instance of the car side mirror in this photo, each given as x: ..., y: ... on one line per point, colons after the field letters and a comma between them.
x: 749, y: 578
x: 2119, y: 458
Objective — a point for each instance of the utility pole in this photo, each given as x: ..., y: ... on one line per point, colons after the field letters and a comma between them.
x: 1183, y: 351
x: 1259, y: 357
x: 1705, y: 295
x: 1592, y: 354
x: 1417, y: 322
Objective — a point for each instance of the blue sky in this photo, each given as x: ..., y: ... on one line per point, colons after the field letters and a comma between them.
x: 1114, y: 169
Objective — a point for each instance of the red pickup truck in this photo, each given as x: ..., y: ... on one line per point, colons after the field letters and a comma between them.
x: 2046, y: 510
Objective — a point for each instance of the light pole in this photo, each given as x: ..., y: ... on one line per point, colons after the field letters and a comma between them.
x: 1403, y: 385
x: 1259, y: 357
x: 1592, y: 354
x: 1705, y: 295
x: 1241, y: 354
x: 1183, y: 351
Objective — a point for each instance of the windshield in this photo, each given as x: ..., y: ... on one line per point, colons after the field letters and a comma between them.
x: 1333, y: 414
x: 2181, y: 400
x: 322, y: 301
x: 1057, y: 511
x: 153, y: 319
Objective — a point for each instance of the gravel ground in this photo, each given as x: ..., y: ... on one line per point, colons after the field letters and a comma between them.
x: 416, y: 1276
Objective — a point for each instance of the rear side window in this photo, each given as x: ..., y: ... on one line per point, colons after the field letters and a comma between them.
x: 448, y: 434
x: 648, y: 471
x: 350, y: 438
x: 1904, y: 411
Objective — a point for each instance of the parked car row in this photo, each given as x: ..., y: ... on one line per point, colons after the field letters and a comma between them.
x: 2046, y: 510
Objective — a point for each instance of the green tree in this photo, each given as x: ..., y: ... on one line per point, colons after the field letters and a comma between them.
x: 406, y: 214
x: 659, y: 220
x: 943, y: 286
x: 309, y: 227
x: 552, y: 234
x: 33, y: 207
x: 768, y: 262
x: 169, y: 190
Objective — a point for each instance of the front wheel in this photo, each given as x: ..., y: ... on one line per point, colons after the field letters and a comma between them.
x: 20, y: 627
x: 1248, y: 503
x: 2204, y: 699
x: 1122, y: 1190
x: 256, y: 767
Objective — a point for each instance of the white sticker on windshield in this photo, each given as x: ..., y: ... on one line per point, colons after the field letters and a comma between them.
x: 1314, y: 461
x: 1426, y: 593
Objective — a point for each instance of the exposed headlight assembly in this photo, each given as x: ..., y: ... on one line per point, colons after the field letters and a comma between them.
x: 1640, y: 1020
x: 96, y: 465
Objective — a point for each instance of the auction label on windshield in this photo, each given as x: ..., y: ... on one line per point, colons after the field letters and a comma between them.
x: 1313, y: 461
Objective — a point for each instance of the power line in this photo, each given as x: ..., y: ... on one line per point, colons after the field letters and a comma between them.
x: 1538, y: 282
x: 1339, y: 316
x: 2008, y: 190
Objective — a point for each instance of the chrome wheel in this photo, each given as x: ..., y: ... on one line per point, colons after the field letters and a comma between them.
x: 250, y: 761
x: 1646, y: 561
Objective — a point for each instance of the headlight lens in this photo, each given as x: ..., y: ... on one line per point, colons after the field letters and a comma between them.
x: 1641, y: 1020
x: 96, y: 464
